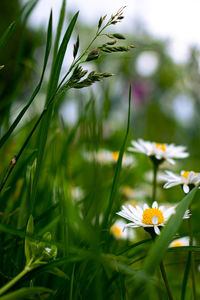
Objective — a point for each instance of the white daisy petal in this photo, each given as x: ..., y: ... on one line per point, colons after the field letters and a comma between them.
x: 186, y: 188
x: 157, y: 230
x: 155, y: 204
x: 145, y: 206
x: 187, y: 214
x: 171, y: 161
x: 158, y: 150
x: 139, y: 210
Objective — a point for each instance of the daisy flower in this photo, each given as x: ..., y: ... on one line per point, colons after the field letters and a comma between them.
x: 148, y: 217
x: 119, y: 231
x: 188, y: 179
x: 184, y: 241
x: 159, y: 151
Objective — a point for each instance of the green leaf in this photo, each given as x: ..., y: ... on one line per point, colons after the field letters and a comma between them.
x: 26, y: 293
x: 55, y: 74
x: 1, y: 67
x: 160, y: 246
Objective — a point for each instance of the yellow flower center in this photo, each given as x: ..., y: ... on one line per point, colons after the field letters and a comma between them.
x: 115, y: 156
x: 152, y: 216
x: 186, y: 174
x: 176, y: 244
x: 116, y: 231
x: 161, y: 147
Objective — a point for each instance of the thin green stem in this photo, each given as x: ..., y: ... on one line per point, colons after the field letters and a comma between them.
x: 186, y: 275
x: 155, y: 171
x: 192, y: 259
x: 164, y: 276
x: 8, y: 285
x: 189, y: 264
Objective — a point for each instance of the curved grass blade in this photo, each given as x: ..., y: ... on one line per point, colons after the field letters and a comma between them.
x: 106, y: 220
x: 26, y: 293
x: 23, y: 111
x: 32, y: 4
x: 160, y: 246
x: 6, y: 35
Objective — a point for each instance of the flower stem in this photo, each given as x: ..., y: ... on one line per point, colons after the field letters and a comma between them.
x: 192, y: 259
x: 155, y: 170
x: 8, y: 285
x: 164, y: 276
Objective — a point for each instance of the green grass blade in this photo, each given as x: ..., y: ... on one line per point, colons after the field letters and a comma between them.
x: 37, y: 89
x: 6, y: 35
x: 118, y: 169
x: 57, y: 64
x: 160, y: 246
x: 59, y: 28
x: 186, y: 275
x: 30, y: 9
x: 54, y: 78
x: 26, y: 293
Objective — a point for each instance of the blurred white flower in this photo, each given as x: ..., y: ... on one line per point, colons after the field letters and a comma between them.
x: 145, y: 216
x: 119, y: 231
x: 184, y: 241
x: 77, y: 193
x: 159, y: 151
x: 108, y: 157
x: 188, y: 179
x: 142, y: 191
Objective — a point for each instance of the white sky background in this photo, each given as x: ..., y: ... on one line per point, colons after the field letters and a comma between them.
x: 175, y: 20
